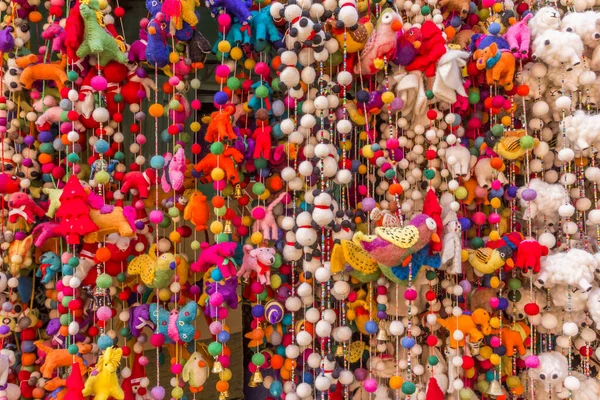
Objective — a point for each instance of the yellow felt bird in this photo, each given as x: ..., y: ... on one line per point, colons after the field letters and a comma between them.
x: 486, y: 260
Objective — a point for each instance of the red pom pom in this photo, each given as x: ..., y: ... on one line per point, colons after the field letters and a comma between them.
x: 56, y: 11
x: 586, y: 351
x: 134, y: 128
x: 119, y: 12
x: 468, y: 363
x: 430, y: 295
x: 123, y: 296
x: 73, y: 115
x: 126, y: 350
x: 64, y: 92
x: 431, y: 340
x: 431, y: 154
x: 196, y: 148
x: 432, y: 114
x: 93, y: 331
x: 117, y: 117
x: 532, y: 309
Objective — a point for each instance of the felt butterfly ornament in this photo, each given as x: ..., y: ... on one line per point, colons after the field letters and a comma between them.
x: 176, y: 325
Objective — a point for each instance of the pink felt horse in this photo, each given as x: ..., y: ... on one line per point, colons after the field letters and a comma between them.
x: 518, y: 37
x: 267, y: 225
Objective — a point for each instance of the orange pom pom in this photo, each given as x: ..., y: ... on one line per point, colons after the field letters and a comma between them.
x: 218, y: 202
x: 276, y: 361
x: 396, y: 189
x: 222, y: 386
x: 103, y: 254
x: 496, y: 163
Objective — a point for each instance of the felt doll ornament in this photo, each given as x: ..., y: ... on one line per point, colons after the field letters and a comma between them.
x: 432, y: 48
x: 381, y: 44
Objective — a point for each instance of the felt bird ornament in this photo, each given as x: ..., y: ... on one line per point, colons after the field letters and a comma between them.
x: 382, y: 43
x: 486, y: 260
x: 176, y: 326
x: 195, y: 372
x: 155, y: 272
x: 393, y: 246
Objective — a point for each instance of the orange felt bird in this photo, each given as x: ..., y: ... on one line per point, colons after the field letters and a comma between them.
x: 196, y: 211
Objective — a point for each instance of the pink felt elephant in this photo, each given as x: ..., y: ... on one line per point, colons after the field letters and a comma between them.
x: 258, y: 260
x: 518, y: 37
x: 267, y: 225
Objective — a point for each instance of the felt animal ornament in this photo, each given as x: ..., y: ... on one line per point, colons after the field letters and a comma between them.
x: 196, y: 211
x: 226, y: 161
x: 19, y: 258
x: 259, y: 261
x: 219, y: 128
x: 22, y: 207
x: 355, y: 39
x: 140, y: 182
x: 499, y: 66
x: 486, y: 260
x: 227, y: 288
x: 109, y: 220
x: 460, y: 7
x: 393, y: 246
x: 480, y: 41
x: 448, y: 77
x: 137, y: 50
x: 552, y: 369
x: 135, y: 386
x: 198, y: 49
x: 585, y: 25
x: 264, y: 30
x: 11, y: 79
x: 34, y: 71
x: 322, y: 212
x: 582, y: 129
x: 139, y: 318
x: 381, y: 44
x: 556, y: 48
x: 575, y: 267
x: 544, y: 205
x: 60, y: 358
x: 267, y: 224
x: 154, y: 270
x: 7, y: 41
x: 518, y: 37
x: 50, y: 264
x: 173, y: 177
x: 180, y: 11
x: 96, y: 40
x: 408, y: 43
x: 460, y: 161
x: 432, y: 48
x: 514, y: 339
x: 463, y: 323
x: 220, y: 254
x: 195, y: 372
x: 105, y: 383
x: 74, y: 212
x: 238, y: 8
x: 176, y: 326
x: 485, y: 174
x: 262, y: 135
x: 529, y: 254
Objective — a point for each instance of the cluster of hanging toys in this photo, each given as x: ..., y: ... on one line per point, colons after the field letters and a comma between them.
x: 404, y: 192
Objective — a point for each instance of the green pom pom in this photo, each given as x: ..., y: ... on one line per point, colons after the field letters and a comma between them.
x: 185, y: 137
x: 215, y: 348
x: 72, y: 76
x: 277, y: 263
x: 65, y: 300
x: 121, y: 277
x: 177, y: 392
x: 514, y: 295
x: 498, y: 130
x: 433, y: 360
x: 102, y: 177
x: 65, y: 319
x: 124, y: 332
x: 474, y: 97
x: 465, y: 394
x: 425, y: 10
x: 119, y: 156
x: 219, y: 212
x: 390, y: 173
x: 165, y: 223
x: 73, y: 158
x: 262, y: 296
x: 222, y: 237
x: 104, y: 281
x: 64, y: 116
x: 217, y: 148
x: 527, y: 142
x: 234, y: 83
x: 275, y: 85
x: 514, y: 284
x: 477, y: 243
x: 258, y: 188
x: 474, y: 151
x: 174, y: 104
x: 430, y: 275
x: 258, y: 359
x: 73, y: 349
x: 173, y: 212
x: 47, y: 148
x: 260, y: 163
x: 429, y: 94
x: 261, y: 92
x: 408, y: 388
x: 118, y: 98
x: 429, y: 174
x: 73, y: 262
x: 195, y: 245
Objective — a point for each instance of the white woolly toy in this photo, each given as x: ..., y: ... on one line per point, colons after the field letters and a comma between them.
x: 546, y: 18
x: 585, y: 24
x: 551, y: 371
x: 545, y: 206
x: 557, y: 48
x: 582, y: 129
x: 460, y: 161
x: 575, y: 267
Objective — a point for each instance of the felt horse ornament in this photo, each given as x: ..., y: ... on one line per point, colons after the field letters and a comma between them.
x: 105, y: 383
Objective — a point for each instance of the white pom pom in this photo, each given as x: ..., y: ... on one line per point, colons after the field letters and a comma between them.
x: 572, y: 383
x: 303, y: 338
x: 563, y: 103
x: 547, y: 239
x: 566, y: 210
x: 540, y: 108
x: 458, y: 335
x: 322, y: 383
x: 396, y: 328
x: 566, y: 155
x: 570, y: 328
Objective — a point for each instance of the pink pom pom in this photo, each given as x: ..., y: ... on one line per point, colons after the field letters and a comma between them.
x: 494, y: 218
x: 487, y: 3
x: 222, y: 71
x: 480, y: 192
x: 224, y: 21
x: 219, y: 185
x: 215, y: 327
x: 496, y: 184
x: 258, y: 213
x: 479, y: 218
x: 143, y: 360
x: 532, y: 361
x: 65, y: 257
x: 216, y: 299
x: 494, y: 302
x: 139, y: 205
x: 156, y: 216
x: 410, y: 294
x: 362, y: 190
x: 173, y: 81
x: 196, y: 104
x: 140, y: 139
x: 104, y: 313
x: 222, y: 313
x: 392, y: 144
x: 225, y: 361
x: 262, y: 68
x: 99, y: 83
x: 176, y: 368
x: 497, y: 101
x: 157, y: 340
x: 495, y: 341
x: 370, y: 385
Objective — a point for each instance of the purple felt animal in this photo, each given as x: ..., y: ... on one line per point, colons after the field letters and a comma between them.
x: 518, y: 37
x: 7, y: 41
x: 408, y: 43
x: 237, y: 8
x: 139, y: 318
x: 57, y: 35
x: 229, y: 292
x: 137, y: 51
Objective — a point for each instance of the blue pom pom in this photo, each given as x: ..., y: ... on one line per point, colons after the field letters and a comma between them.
x: 494, y: 28
x: 490, y: 375
x: 45, y: 136
x: 104, y: 342
x: 371, y: 327
x: 287, y: 319
x: 157, y: 162
x: 223, y: 337
x: 456, y: 21
x: 216, y: 275
x: 478, y: 142
x: 512, y: 191
x: 375, y: 146
x: 465, y: 223
x: 101, y: 146
x: 407, y: 342
x: 472, y: 8
x: 221, y: 98
x: 503, y: 304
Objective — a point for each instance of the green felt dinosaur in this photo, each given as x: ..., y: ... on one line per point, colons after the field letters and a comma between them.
x: 96, y: 39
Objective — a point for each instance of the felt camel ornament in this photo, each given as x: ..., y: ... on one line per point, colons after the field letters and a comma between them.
x: 105, y: 383
x: 112, y: 220
x: 97, y: 40
x: 34, y: 71
x: 219, y: 127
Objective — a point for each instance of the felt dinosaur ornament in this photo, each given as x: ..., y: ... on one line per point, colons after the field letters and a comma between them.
x: 97, y: 41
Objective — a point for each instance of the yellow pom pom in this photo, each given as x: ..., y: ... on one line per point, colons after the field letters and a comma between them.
x: 217, y: 174
x: 246, y: 108
x: 367, y: 151
x: 470, y: 373
x: 225, y: 375
x: 256, y: 238
x: 175, y: 237
x: 236, y: 53
x: 224, y: 46
x: 495, y: 203
x: 494, y: 282
x: 266, y: 194
x: 156, y: 110
x: 351, y: 315
x: 486, y: 352
x: 195, y: 126
x: 173, y: 57
x: 461, y: 193
x: 347, y: 145
x: 246, y: 220
x: 378, y: 63
x: 363, y: 135
x: 216, y: 227
x: 275, y: 281
x: 495, y: 359
x: 497, y: 7
x: 103, y: 4
x: 495, y: 322
x: 164, y: 294
x: 513, y: 382
x: 249, y: 64
x: 362, y: 169
x: 396, y: 382
x: 506, y: 120
x: 387, y: 97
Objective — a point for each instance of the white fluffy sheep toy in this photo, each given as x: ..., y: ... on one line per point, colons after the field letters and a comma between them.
x: 485, y: 174
x: 557, y: 48
x: 460, y: 161
x: 546, y: 18
x: 583, y: 130
x: 551, y: 371
x: 576, y: 268
x: 548, y: 199
x: 593, y: 304
x: 586, y: 25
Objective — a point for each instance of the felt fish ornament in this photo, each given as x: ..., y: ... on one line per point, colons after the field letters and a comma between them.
x: 177, y: 325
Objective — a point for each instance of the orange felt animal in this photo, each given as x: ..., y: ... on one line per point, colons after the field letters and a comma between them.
x: 219, y: 127
x: 60, y: 358
x: 226, y: 161
x: 499, y: 66
x: 196, y: 211
x: 515, y: 338
x: 455, y: 6
x: 466, y: 325
x: 34, y: 71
